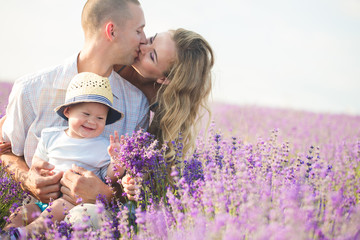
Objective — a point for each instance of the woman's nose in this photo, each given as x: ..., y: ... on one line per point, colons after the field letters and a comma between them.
x: 144, y: 48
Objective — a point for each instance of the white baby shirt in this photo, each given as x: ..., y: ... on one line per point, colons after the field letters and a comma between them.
x: 62, y: 151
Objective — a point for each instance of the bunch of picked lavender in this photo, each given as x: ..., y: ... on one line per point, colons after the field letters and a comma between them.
x: 142, y: 158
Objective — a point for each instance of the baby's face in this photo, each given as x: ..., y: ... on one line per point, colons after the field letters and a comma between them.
x: 86, y: 120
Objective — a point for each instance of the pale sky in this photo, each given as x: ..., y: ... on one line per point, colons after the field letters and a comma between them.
x: 299, y: 54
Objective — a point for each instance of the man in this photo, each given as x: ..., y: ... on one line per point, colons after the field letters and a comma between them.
x: 113, y: 33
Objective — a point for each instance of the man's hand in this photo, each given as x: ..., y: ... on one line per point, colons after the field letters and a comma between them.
x: 5, y: 147
x: 79, y: 183
x: 41, y: 183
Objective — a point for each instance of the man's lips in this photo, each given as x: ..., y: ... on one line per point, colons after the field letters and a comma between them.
x: 137, y: 55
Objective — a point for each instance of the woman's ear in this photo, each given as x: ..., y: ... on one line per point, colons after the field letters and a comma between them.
x: 163, y: 80
x: 109, y: 30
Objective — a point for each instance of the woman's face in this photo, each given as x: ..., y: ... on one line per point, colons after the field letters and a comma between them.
x: 156, y: 56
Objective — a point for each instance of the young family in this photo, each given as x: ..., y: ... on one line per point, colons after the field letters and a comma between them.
x: 169, y: 73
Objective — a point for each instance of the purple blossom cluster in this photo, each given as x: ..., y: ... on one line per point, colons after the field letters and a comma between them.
x: 11, y: 195
x: 257, y: 173
x: 138, y: 154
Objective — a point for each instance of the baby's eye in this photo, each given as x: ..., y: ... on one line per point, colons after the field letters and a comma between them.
x: 100, y: 118
x: 86, y: 114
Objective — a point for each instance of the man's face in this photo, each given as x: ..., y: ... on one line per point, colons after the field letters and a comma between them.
x: 130, y: 35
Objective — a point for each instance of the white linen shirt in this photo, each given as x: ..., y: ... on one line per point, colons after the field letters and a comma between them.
x: 34, y: 97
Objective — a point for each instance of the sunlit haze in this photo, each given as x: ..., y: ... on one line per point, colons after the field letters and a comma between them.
x: 282, y: 53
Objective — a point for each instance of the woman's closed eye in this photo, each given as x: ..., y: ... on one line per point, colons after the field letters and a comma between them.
x: 152, y: 39
x: 152, y: 56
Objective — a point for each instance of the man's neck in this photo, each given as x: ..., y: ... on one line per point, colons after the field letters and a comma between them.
x: 92, y: 59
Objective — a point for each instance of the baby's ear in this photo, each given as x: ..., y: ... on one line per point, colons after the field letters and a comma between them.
x: 66, y: 112
x: 163, y: 80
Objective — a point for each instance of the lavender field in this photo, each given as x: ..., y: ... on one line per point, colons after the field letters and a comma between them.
x: 259, y: 173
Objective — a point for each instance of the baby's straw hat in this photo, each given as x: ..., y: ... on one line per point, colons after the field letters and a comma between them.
x: 90, y: 87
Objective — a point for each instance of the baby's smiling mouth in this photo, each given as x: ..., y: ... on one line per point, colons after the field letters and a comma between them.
x: 88, y: 128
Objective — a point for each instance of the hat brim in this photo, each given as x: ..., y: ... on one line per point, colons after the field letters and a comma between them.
x: 114, y: 115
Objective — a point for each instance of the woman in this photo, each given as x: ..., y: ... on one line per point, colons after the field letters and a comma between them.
x: 174, y: 72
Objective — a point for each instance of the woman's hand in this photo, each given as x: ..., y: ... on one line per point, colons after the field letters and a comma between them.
x: 81, y: 184
x: 130, y: 187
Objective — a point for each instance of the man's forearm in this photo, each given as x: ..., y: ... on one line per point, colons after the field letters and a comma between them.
x: 15, y: 166
x: 2, y: 120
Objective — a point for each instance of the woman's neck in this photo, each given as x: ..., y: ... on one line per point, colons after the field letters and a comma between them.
x: 149, y: 88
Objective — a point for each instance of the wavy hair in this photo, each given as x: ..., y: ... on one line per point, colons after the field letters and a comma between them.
x: 181, y: 101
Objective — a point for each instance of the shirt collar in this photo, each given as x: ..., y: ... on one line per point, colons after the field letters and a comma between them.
x: 66, y: 73
x: 112, y: 79
x: 70, y: 69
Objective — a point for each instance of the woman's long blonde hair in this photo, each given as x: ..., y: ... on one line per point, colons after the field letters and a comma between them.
x: 182, y: 100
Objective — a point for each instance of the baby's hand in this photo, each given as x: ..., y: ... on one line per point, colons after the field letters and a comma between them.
x: 129, y: 187
x: 115, y: 142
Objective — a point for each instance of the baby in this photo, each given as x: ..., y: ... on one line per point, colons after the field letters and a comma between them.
x: 87, y: 108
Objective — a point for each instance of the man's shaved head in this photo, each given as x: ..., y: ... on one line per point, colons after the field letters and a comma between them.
x: 97, y: 12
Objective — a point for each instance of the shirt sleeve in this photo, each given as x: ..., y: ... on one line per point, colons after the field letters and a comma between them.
x: 19, y: 117
x: 41, y: 150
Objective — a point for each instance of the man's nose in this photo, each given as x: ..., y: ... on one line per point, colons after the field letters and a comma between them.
x: 143, y: 39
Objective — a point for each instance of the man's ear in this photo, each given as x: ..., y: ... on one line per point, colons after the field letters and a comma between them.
x: 163, y: 80
x: 109, y: 30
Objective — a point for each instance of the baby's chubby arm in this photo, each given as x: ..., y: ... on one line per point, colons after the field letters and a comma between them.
x: 115, y: 143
